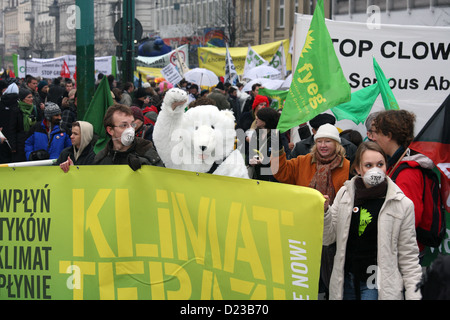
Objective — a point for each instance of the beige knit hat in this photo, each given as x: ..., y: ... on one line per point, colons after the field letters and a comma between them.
x: 327, y: 131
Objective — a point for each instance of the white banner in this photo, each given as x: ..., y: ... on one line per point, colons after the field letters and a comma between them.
x: 171, y: 74
x: 51, y: 68
x: 163, y: 60
x: 415, y: 58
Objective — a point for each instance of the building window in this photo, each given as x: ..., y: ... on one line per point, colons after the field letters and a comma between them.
x: 267, y: 14
x: 281, y: 14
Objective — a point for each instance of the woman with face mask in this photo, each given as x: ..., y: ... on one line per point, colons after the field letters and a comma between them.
x: 325, y: 169
x: 372, y: 223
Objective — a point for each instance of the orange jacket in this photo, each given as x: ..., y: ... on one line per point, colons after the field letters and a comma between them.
x: 301, y: 170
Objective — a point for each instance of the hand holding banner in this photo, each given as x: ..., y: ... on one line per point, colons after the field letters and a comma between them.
x: 156, y: 233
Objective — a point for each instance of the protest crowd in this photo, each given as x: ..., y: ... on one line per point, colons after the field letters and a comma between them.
x: 373, y: 184
x: 39, y: 122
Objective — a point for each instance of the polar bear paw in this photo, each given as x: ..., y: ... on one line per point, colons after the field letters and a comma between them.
x: 175, y: 97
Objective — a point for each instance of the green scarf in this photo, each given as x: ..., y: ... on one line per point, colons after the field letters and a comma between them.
x: 26, y: 109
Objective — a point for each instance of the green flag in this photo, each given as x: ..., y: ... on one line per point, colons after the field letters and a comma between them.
x: 318, y: 83
x: 96, y: 112
x: 389, y: 101
x: 358, y: 108
x: 277, y: 96
x: 16, y: 64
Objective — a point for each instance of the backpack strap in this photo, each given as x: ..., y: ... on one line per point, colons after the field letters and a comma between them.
x: 394, y: 167
x: 398, y: 169
x: 405, y: 165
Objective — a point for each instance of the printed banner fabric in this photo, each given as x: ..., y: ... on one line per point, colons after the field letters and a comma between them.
x: 415, y: 59
x: 214, y: 58
x: 107, y: 232
x: 51, y: 68
x: 318, y: 83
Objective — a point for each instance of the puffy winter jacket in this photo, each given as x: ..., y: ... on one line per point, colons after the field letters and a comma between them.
x: 39, y: 140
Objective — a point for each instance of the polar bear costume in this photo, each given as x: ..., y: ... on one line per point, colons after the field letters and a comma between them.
x: 201, y: 139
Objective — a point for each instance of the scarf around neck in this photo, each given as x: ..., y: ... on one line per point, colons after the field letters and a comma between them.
x: 27, y: 110
x: 362, y: 193
x: 321, y: 180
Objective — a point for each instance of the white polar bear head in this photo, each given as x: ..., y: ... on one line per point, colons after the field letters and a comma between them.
x: 210, y: 134
x: 195, y: 139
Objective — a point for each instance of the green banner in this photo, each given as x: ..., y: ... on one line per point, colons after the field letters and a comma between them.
x: 107, y: 232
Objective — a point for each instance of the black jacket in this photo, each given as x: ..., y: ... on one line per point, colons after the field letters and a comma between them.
x: 141, y: 152
x: 86, y: 157
x: 11, y: 120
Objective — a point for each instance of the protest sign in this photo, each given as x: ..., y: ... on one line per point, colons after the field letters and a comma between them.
x: 51, y: 68
x: 169, y: 58
x: 414, y: 58
x: 155, y: 233
x: 214, y: 58
x: 171, y: 74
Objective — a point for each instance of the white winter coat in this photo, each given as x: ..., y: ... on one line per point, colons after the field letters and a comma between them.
x: 398, y: 254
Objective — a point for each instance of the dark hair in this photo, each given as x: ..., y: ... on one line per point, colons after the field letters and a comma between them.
x: 398, y: 123
x: 269, y: 116
x: 255, y: 85
x: 363, y: 147
x: 127, y: 85
x: 231, y: 90
x: 117, y: 94
x: 352, y: 135
x: 201, y: 102
x: 76, y: 124
x: 108, y: 119
x: 30, y: 78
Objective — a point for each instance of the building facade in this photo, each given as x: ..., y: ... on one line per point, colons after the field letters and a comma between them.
x: 403, y: 12
x: 47, y: 28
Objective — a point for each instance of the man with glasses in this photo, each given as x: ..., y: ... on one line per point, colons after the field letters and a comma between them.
x: 368, y: 124
x: 124, y: 147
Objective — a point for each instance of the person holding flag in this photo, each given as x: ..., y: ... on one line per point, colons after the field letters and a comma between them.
x: 393, y: 131
x: 318, y: 84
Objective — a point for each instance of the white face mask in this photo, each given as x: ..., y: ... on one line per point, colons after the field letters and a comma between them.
x: 374, y: 177
x: 127, y: 137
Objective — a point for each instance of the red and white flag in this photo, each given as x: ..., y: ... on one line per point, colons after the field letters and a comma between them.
x: 65, y: 72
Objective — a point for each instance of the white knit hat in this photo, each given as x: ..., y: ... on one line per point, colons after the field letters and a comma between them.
x: 327, y: 131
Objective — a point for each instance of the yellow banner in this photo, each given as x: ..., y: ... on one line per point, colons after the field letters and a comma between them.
x: 145, y: 71
x: 107, y: 232
x: 214, y: 58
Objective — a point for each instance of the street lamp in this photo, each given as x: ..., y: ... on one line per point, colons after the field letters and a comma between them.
x: 26, y: 56
x: 53, y: 9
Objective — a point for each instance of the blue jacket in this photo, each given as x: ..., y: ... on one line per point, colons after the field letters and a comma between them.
x: 38, y: 140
